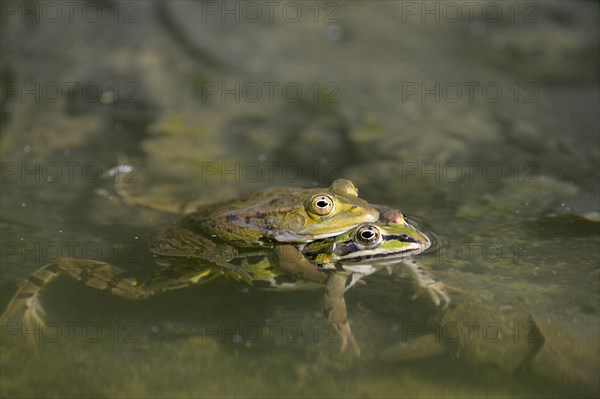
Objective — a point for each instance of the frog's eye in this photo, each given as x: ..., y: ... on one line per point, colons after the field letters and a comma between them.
x: 322, y: 205
x: 368, y: 235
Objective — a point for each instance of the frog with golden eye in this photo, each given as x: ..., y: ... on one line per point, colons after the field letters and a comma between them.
x: 223, y: 238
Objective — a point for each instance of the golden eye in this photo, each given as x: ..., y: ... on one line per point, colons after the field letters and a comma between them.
x: 368, y: 235
x: 322, y: 205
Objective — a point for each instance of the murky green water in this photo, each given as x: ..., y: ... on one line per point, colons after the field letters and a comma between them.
x: 479, y: 119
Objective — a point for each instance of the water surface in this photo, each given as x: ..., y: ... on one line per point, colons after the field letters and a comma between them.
x: 482, y: 125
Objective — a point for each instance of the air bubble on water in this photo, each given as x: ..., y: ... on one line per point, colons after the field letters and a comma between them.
x: 60, y: 231
x: 335, y: 33
x: 27, y: 149
x: 477, y: 29
x: 498, y: 42
x: 67, y: 152
x: 23, y: 205
x: 135, y: 238
x: 155, y: 329
x: 395, y: 327
x: 237, y: 339
x: 108, y: 97
x: 262, y: 157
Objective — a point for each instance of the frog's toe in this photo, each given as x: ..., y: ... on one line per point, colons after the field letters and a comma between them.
x: 35, y: 314
x: 436, y: 291
x: 441, y: 293
x: 346, y: 337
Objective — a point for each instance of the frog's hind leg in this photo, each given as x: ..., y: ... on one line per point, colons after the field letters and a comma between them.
x: 122, y: 188
x: 25, y: 305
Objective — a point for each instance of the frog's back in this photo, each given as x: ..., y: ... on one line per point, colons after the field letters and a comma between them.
x: 249, y: 220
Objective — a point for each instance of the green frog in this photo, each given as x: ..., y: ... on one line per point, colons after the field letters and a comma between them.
x: 370, y: 247
x: 189, y: 258
x: 273, y: 216
x: 359, y: 252
x: 278, y: 214
x: 222, y: 234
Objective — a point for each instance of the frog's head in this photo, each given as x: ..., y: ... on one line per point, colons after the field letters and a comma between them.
x: 329, y: 212
x: 390, y: 237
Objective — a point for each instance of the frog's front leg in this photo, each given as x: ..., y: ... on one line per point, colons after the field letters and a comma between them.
x: 25, y: 305
x: 424, y: 283
x: 334, y: 306
x: 293, y: 262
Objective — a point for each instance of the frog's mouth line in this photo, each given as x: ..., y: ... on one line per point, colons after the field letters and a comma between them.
x: 391, y: 254
x: 288, y: 236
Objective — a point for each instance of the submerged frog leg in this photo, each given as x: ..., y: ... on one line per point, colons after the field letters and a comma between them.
x: 174, y: 278
x: 25, y: 305
x: 334, y: 307
x: 122, y: 188
x: 181, y: 243
x: 424, y: 283
x: 292, y: 261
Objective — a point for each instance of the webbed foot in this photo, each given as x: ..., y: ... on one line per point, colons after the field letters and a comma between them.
x: 25, y: 306
x: 425, y: 284
x: 436, y: 291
